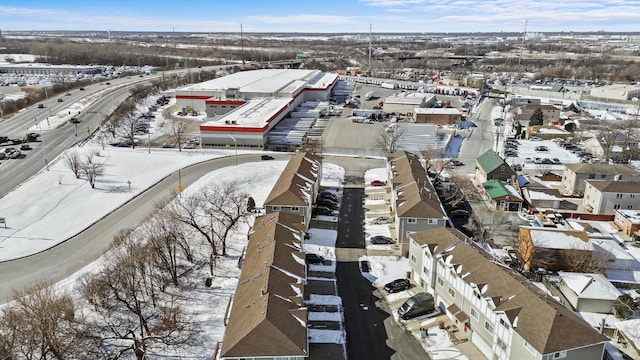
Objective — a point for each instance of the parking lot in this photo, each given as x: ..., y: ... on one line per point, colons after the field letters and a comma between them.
x: 540, y: 155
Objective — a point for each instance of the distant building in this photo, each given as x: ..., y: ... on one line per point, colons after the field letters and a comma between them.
x: 628, y: 221
x: 606, y: 196
x: 490, y: 166
x: 440, y: 116
x: 503, y: 196
x: 616, y: 92
x: 244, y: 106
x: 550, y: 113
x: 574, y: 175
x: 407, y: 103
x: 48, y: 69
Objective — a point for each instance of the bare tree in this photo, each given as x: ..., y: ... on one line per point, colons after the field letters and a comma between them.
x: 128, y: 129
x: 388, y: 140
x: 167, y: 242
x: 131, y: 315
x: 485, y: 224
x: 40, y: 323
x: 312, y: 146
x: 73, y: 161
x: 179, y: 129
x: 227, y: 206
x: 92, y: 169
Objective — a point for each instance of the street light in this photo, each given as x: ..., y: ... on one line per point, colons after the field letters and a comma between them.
x: 235, y: 146
x: 44, y: 154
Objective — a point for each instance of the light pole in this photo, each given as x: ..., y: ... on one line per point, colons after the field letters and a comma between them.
x: 139, y: 69
x: 235, y: 146
x: 44, y: 154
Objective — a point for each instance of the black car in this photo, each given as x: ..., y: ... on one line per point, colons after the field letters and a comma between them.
x: 397, y: 286
x: 457, y: 163
x: 327, y: 203
x: 314, y: 258
x: 74, y: 120
x: 323, y: 210
x: 328, y: 195
x: 266, y: 157
x: 381, y: 240
x: 460, y: 213
x: 542, y: 148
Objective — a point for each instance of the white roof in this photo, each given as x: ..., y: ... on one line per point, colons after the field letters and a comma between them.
x: 632, y: 215
x: 265, y: 81
x: 631, y: 329
x: 557, y: 239
x: 537, y: 195
x: 437, y: 111
x: 614, y: 249
x: 255, y: 113
x: 590, y: 286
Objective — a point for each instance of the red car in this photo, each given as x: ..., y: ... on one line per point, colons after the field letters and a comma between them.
x: 378, y: 183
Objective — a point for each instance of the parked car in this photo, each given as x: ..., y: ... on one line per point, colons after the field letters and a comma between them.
x: 380, y: 240
x: 535, y: 138
x: 266, y: 157
x: 382, y: 220
x: 455, y: 162
x: 327, y: 203
x: 460, y: 213
x: 378, y: 183
x: 328, y: 195
x: 314, y: 258
x: 397, y: 285
x: 323, y: 210
x: 542, y: 148
x: 25, y: 147
x: 417, y: 305
x: 167, y: 145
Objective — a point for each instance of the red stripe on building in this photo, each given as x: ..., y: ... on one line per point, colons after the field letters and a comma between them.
x: 225, y: 102
x: 194, y: 97
x: 233, y: 129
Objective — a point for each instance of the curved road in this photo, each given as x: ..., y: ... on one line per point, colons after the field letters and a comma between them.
x: 72, y: 255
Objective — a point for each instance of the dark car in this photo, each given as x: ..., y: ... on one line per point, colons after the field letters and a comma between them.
x: 460, y: 213
x: 457, y: 163
x: 380, y: 240
x: 323, y: 210
x: 314, y: 258
x: 328, y: 204
x: 60, y: 100
x: 542, y: 148
x: 40, y: 106
x: 266, y: 157
x: 81, y: 89
x: 397, y: 286
x: 328, y: 196
x: 74, y: 120
x: 25, y: 147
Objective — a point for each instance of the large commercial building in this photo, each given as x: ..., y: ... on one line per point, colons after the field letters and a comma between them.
x: 241, y: 108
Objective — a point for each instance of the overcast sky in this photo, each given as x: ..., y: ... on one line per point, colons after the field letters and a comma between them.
x: 352, y: 16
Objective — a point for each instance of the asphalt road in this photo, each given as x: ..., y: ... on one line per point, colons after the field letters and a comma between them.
x: 371, y: 332
x: 72, y: 255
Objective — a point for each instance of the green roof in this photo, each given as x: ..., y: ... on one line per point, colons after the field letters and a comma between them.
x: 489, y: 161
x: 495, y: 189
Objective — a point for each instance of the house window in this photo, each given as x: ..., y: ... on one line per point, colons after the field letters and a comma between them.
x: 592, y: 176
x: 425, y: 271
x: 433, y: 221
x: 413, y: 258
x: 629, y: 207
x: 412, y: 221
x: 502, y: 168
x: 476, y: 294
x: 618, y: 196
x: 504, y: 323
x: 616, y: 206
x: 603, y: 176
x: 501, y: 344
x: 440, y: 281
x: 277, y: 208
x: 451, y: 292
x: 488, y: 327
x: 295, y: 209
x: 427, y: 255
x: 560, y: 354
x: 474, y: 313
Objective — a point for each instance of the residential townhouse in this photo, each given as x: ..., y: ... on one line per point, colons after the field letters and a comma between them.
x: 268, y: 320
x: 503, y: 314
x: 606, y: 196
x: 413, y: 198
x: 574, y: 175
x: 490, y: 166
x: 504, y: 197
x: 297, y: 187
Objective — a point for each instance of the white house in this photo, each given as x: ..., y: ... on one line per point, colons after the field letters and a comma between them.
x: 606, y: 196
x: 588, y: 292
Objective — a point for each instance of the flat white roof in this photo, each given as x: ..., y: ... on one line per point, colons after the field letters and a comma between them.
x: 558, y: 239
x: 632, y: 215
x: 265, y: 81
x: 254, y: 114
x: 437, y: 111
x: 590, y: 286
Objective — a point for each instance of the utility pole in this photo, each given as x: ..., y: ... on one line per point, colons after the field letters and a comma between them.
x: 369, y: 50
x: 241, y: 44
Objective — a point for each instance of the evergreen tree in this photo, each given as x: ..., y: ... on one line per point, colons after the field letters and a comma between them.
x: 537, y: 118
